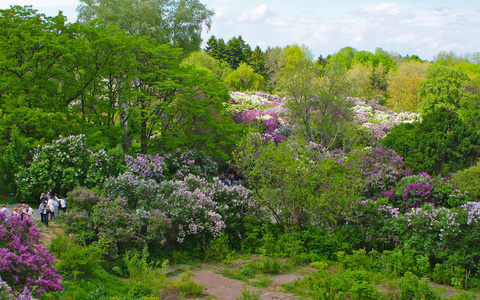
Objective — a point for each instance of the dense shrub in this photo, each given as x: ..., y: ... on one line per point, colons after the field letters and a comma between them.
x: 112, y: 226
x: 414, y: 191
x: 66, y: 164
x: 468, y: 180
x: 25, y: 265
x: 175, y: 165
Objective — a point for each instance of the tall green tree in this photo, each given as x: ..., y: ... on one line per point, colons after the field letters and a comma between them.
x: 177, y: 22
x: 237, y: 51
x: 35, y: 66
x: 442, y: 87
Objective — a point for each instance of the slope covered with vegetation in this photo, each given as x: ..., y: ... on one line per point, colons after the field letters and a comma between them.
x: 363, y: 165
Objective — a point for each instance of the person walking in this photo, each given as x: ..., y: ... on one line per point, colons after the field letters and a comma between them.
x: 42, y: 210
x: 63, y: 205
x: 44, y: 213
x: 56, y: 204
x: 51, y: 209
x: 28, y: 212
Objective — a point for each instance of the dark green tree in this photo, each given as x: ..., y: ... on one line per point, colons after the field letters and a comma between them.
x: 257, y: 61
x: 237, y: 51
x: 440, y: 144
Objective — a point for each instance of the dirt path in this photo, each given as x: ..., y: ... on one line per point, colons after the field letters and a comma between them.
x: 224, y: 288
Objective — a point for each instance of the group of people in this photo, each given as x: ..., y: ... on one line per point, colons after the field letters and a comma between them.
x: 24, y: 211
x: 50, y: 206
x: 232, y: 177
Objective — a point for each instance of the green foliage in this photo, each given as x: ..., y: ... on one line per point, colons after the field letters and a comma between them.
x: 294, y: 180
x: 177, y: 22
x: 218, y: 249
x: 185, y: 286
x: 403, y: 86
x: 441, y: 88
x: 202, y: 60
x: 249, y: 295
x: 244, y: 78
x: 15, y: 155
x: 413, y: 288
x: 468, y: 180
x: 76, y: 261
x: 441, y: 143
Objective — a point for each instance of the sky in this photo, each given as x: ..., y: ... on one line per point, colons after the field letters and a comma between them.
x: 407, y: 27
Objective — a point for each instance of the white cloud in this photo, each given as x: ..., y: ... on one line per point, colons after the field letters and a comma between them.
x: 257, y: 15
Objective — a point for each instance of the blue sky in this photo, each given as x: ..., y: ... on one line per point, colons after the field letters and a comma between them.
x: 421, y: 27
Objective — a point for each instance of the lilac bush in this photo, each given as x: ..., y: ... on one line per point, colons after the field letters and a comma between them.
x: 147, y: 166
x: 135, y: 189
x: 65, y: 164
x: 25, y: 265
x: 112, y: 225
x: 427, y: 229
x: 381, y: 169
x: 198, y: 207
x: 177, y: 164
x: 416, y: 190
x: 184, y: 162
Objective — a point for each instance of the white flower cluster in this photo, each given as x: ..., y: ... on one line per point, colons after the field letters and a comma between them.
x: 246, y: 102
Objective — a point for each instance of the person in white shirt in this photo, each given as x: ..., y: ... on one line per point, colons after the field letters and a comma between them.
x: 51, y: 209
x: 63, y: 205
x: 29, y: 212
x: 5, y: 211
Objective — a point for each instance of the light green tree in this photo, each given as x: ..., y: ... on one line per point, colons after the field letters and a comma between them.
x: 200, y: 60
x: 442, y: 87
x: 177, y: 22
x: 295, y: 181
x: 244, y: 78
x: 403, y: 86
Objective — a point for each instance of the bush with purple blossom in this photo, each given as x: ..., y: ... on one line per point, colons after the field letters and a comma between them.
x: 416, y: 190
x: 177, y: 164
x: 25, y: 265
x: 381, y: 169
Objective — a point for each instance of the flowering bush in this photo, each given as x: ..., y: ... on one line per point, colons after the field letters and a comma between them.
x: 196, y: 206
x: 378, y: 119
x: 184, y: 162
x: 428, y: 230
x: 25, y: 265
x: 172, y: 165
x: 381, y: 169
x: 365, y: 223
x: 137, y: 191
x: 112, y: 225
x: 64, y: 165
x: 415, y: 190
